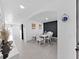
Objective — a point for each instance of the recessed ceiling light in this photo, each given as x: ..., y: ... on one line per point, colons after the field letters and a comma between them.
x: 46, y: 18
x: 21, y: 6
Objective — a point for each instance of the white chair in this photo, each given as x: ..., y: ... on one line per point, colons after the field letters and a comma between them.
x: 49, y: 34
x: 39, y: 39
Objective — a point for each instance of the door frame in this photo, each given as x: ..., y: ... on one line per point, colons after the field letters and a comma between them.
x: 77, y: 28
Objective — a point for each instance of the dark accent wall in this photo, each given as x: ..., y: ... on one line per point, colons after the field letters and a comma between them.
x: 51, y: 26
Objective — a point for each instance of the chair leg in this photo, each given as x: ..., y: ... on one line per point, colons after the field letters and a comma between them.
x: 50, y: 41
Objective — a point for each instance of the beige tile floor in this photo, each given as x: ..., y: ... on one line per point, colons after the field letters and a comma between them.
x: 31, y: 50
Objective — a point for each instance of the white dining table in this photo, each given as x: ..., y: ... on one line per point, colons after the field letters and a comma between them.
x: 44, y: 36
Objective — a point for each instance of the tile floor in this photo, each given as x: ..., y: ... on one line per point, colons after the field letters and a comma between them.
x: 32, y: 50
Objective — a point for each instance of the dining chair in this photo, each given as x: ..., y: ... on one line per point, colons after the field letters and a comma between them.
x: 39, y: 39
x: 49, y: 34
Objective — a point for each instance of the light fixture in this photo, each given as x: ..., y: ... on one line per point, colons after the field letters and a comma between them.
x: 46, y: 18
x: 21, y: 6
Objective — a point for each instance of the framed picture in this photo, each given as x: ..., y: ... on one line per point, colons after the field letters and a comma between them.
x: 40, y: 26
x: 33, y: 26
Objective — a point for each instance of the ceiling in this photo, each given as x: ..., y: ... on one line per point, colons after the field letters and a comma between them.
x: 45, y: 16
x: 12, y: 8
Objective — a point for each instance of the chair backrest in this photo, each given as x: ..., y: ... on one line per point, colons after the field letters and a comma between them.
x: 49, y: 34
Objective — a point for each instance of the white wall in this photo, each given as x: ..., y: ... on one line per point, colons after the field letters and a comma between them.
x: 32, y: 32
x: 1, y: 13
x: 67, y: 30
